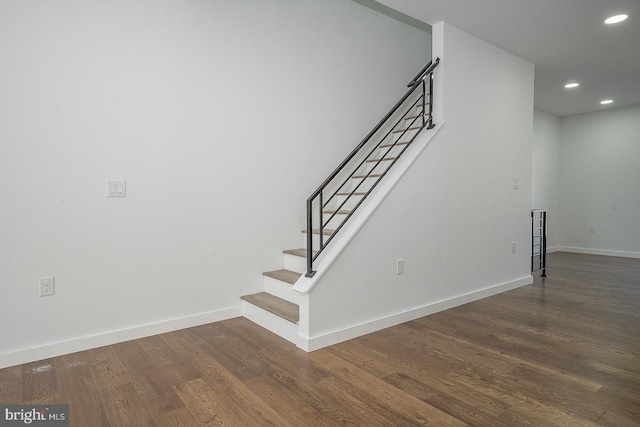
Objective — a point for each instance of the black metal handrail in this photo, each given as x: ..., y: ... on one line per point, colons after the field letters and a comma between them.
x: 422, y: 74
x: 389, y: 126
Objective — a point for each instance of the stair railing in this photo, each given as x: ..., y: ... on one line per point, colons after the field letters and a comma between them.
x: 392, y: 135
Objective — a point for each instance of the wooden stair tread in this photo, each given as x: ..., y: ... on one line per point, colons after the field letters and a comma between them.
x: 326, y: 231
x: 358, y: 193
x: 287, y: 276
x: 405, y: 130
x: 373, y: 175
x: 282, y: 308
x: 391, y: 145
x: 340, y: 212
x: 302, y: 252
x: 386, y: 159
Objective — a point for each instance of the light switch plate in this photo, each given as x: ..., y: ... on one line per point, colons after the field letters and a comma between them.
x: 117, y: 188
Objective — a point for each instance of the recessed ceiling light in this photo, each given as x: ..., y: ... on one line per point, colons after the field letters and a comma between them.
x: 606, y: 101
x: 615, y: 19
x: 570, y: 84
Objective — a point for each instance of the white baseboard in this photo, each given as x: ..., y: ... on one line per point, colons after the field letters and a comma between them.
x: 337, y: 336
x: 552, y: 249
x: 605, y: 252
x: 46, y: 351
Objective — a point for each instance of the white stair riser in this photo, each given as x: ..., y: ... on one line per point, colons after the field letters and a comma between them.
x: 365, y: 186
x: 335, y: 221
x: 414, y: 118
x: 336, y: 202
x: 316, y: 241
x: 405, y: 136
x: 378, y: 167
x: 415, y: 123
x: 350, y: 202
x: 391, y: 151
x: 271, y: 322
x: 295, y: 263
x: 281, y: 289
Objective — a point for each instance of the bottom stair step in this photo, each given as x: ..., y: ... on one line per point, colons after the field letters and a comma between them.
x: 285, y: 309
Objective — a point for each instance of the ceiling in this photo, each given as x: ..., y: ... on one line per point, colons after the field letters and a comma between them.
x: 565, y: 39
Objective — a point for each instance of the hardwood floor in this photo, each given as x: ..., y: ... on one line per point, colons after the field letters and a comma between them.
x: 561, y: 352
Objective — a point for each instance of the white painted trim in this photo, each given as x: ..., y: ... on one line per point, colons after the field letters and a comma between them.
x: 271, y: 322
x: 344, y: 334
x: 46, y: 351
x: 604, y: 252
x: 552, y: 249
x: 305, y: 284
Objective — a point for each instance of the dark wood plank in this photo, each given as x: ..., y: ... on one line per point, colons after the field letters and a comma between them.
x: 152, y: 377
x: 39, y: 381
x: 223, y: 399
x: 297, y: 373
x: 11, y: 385
x: 115, y: 387
x: 181, y: 417
x: 237, y: 355
x: 460, y: 409
x: 283, y: 401
x: 76, y: 384
x: 374, y: 394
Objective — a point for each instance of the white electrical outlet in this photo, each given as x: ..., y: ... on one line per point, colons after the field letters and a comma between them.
x: 513, y: 247
x: 47, y: 286
x: 400, y: 266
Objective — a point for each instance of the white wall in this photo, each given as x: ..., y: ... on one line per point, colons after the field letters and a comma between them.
x: 545, y: 183
x: 453, y: 216
x: 221, y: 115
x: 599, y: 182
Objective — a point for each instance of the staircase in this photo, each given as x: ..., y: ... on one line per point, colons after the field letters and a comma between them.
x: 277, y: 308
x: 280, y: 308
